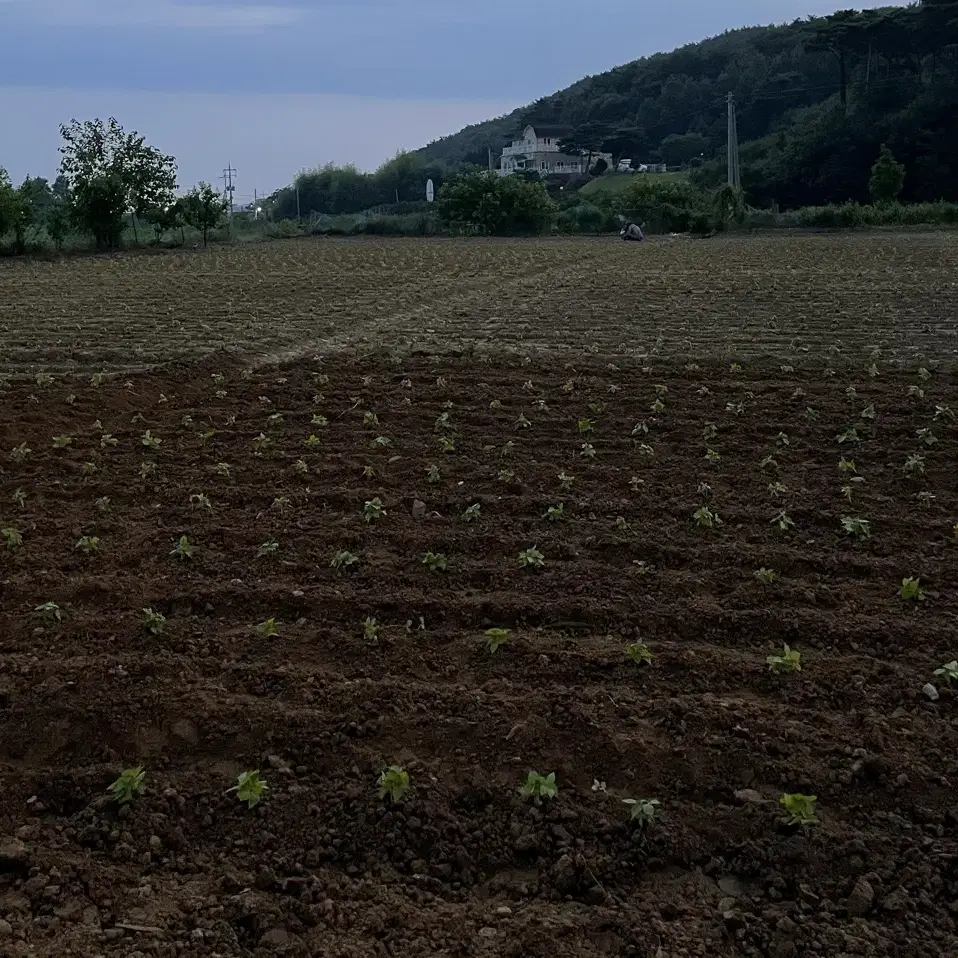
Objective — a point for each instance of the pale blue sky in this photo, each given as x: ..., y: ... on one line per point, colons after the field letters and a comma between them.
x: 275, y: 86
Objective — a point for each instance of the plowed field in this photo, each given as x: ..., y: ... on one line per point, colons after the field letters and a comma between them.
x: 356, y: 520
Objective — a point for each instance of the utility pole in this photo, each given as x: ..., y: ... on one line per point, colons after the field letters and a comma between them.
x: 734, y: 172
x: 299, y: 215
x: 229, y: 186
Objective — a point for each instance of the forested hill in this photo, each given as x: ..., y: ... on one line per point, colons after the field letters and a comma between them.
x: 815, y: 101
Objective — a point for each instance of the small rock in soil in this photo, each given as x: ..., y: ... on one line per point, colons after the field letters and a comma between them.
x: 274, y: 938
x: 861, y: 899
x: 6, y: 929
x: 731, y: 886
x: 930, y: 692
x: 12, y: 852
x: 487, y: 932
x: 418, y: 509
x: 748, y: 796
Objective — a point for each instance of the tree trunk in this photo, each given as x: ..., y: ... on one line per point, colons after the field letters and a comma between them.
x: 136, y: 238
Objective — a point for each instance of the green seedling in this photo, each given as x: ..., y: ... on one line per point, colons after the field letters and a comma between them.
x: 811, y: 415
x: 370, y: 629
x: 640, y: 429
x: 781, y: 521
x: 943, y: 412
x: 370, y: 419
x: 538, y: 786
x: 373, y: 511
x: 555, y: 513
x: 769, y: 462
x: 19, y: 498
x: 522, y: 422
x: 565, y: 481
x: 108, y: 441
x: 250, y: 788
x: 867, y: 413
x: 923, y: 374
x: 381, y: 442
x: 199, y: 500
x: 222, y: 469
x: 154, y: 622
x: 496, y: 638
x: 12, y: 538
x: 621, y: 523
x: 645, y: 450
x: 531, y: 559
x: 911, y: 590
x: 661, y: 389
x: 62, y: 442
x: 435, y: 561
x: 268, y: 628
x: 788, y: 661
x: 49, y: 611
x: 860, y: 529
x: 147, y: 469
x: 948, y: 672
x: 88, y: 544
x: 20, y: 453
x: 447, y: 444
x: 342, y: 560
x: 319, y: 420
x: 506, y: 476
x: 587, y: 451
x: 89, y: 469
x: 585, y: 426
x: 393, y: 783
x: 926, y: 436
x: 782, y: 440
x: 496, y: 404
x: 916, y: 392
x: 765, y: 576
x: 183, y: 550
x: 914, y: 466
x: 709, y: 431
x: 848, y: 435
x: 442, y: 422
x: 705, y: 518
x: 777, y: 489
x: 267, y: 548
x: 312, y: 441
x: 642, y: 811
x: 657, y: 406
x: 369, y: 472
x: 639, y: 653
x: 925, y: 499
x: 300, y: 467
x: 280, y: 504
x: 736, y: 408
x: 846, y: 466
x: 712, y: 455
x: 130, y: 784
x: 471, y: 513
x: 150, y: 441
x: 799, y: 809
x: 636, y: 483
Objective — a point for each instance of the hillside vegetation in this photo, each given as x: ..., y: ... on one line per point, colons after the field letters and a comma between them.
x: 816, y: 99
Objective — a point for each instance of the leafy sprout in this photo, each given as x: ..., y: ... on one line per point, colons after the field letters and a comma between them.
x: 565, y: 481
x: 799, y: 809
x: 948, y: 672
x: 914, y: 466
x: 846, y: 465
x: 848, y: 435
x: 586, y: 426
x: 19, y: 453
x: 130, y: 784
x: 471, y: 513
x: 858, y: 528
x: 911, y: 590
x: 433, y: 475
x: 12, y: 538
x: 370, y: 628
x: 268, y: 628
x: 250, y: 788
x: 447, y: 444
x: 342, y: 560
x: 789, y: 660
x: 555, y: 513
x: 639, y: 653
x: 496, y: 638
x: 199, y: 500
x: 642, y: 811
x: 88, y: 544
x: 706, y: 518
x: 182, y: 550
x: 531, y: 559
x: 538, y: 786
x: 267, y: 548
x: 781, y: 521
x: 393, y: 783
x: 373, y: 511
x: 435, y: 561
x: 62, y: 442
x: 150, y: 441
x: 49, y: 611
x: 765, y: 576
x: 154, y: 622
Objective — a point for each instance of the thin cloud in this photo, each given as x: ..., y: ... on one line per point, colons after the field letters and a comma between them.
x: 155, y: 13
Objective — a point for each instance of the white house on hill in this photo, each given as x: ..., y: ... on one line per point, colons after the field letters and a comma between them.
x: 539, y: 150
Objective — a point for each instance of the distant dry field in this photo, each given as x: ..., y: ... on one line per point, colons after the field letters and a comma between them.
x: 775, y: 294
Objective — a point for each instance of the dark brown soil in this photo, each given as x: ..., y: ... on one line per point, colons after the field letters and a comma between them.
x: 464, y: 866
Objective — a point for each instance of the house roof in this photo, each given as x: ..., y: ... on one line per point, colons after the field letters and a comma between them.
x: 550, y: 129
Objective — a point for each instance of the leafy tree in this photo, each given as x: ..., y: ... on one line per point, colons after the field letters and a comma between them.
x: 678, y: 149
x: 887, y: 177
x: 495, y: 205
x: 204, y: 209
x: 586, y: 140
x: 7, y: 210
x: 57, y: 223
x: 110, y: 173
x: 163, y: 219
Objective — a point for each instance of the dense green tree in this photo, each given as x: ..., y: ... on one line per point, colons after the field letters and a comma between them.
x: 678, y: 149
x: 887, y: 177
x: 203, y: 209
x: 110, y: 173
x: 495, y: 205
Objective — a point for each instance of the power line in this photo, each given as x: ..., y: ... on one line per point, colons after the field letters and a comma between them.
x: 228, y: 188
